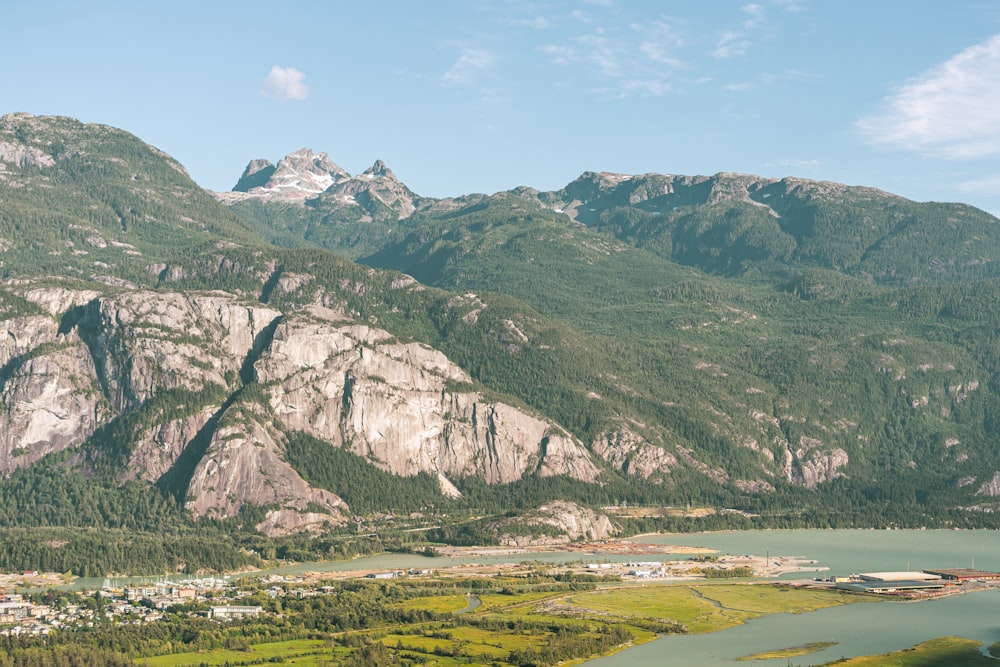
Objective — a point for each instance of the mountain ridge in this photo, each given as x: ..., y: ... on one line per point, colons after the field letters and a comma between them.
x: 741, y: 342
x: 762, y: 223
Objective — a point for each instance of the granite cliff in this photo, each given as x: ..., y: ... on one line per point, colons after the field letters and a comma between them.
x: 89, y: 359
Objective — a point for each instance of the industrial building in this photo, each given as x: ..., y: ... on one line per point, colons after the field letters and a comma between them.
x: 965, y: 574
x: 898, y: 576
x: 892, y: 582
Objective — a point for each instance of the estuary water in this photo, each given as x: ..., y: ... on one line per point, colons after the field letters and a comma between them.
x: 857, y: 629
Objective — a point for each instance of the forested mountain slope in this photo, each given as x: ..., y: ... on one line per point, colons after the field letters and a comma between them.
x: 488, y: 354
x: 766, y: 334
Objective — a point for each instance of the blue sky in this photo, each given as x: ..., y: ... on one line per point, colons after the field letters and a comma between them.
x: 485, y: 95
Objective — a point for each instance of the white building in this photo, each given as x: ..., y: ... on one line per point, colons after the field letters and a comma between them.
x: 227, y: 613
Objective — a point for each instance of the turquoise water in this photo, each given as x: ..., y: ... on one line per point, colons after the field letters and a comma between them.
x: 858, y: 629
x: 849, y: 551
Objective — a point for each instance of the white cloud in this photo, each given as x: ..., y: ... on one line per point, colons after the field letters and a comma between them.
x: 560, y: 55
x: 602, y: 52
x: 755, y: 14
x: 657, y: 54
x: 641, y: 61
x: 537, y: 22
x: 655, y: 87
x: 731, y: 44
x: 468, y: 65
x: 284, y: 83
x: 949, y: 111
x: 660, y: 40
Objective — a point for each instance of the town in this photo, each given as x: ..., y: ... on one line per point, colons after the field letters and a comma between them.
x: 40, y: 611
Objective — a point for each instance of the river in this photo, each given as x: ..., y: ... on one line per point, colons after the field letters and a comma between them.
x: 857, y: 629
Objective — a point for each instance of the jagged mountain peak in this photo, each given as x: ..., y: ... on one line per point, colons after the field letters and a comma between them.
x: 298, y: 176
x: 256, y: 175
x: 379, y: 169
x: 305, y: 176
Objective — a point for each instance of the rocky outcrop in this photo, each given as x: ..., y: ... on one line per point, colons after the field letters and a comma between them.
x: 569, y: 521
x: 48, y: 402
x: 809, y: 466
x: 376, y: 191
x: 24, y: 156
x: 96, y: 358
x: 357, y: 387
x: 56, y: 300
x: 990, y: 488
x: 159, y: 448
x: 244, y: 464
x: 256, y: 175
x: 629, y: 452
x: 144, y: 342
x: 289, y: 521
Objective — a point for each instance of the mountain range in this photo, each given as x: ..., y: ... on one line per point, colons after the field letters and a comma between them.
x: 313, y: 349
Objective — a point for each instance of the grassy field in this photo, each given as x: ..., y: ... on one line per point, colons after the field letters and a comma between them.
x: 790, y: 652
x: 531, y: 621
x: 473, y: 642
x: 773, y: 599
x: 441, y: 604
x: 705, y: 608
x: 942, y: 652
x: 498, y: 601
x: 304, y: 652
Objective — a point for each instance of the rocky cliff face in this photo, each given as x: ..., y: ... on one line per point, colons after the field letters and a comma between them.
x: 629, y: 452
x: 144, y: 342
x: 95, y: 358
x: 357, y: 387
x: 48, y: 400
x: 569, y: 521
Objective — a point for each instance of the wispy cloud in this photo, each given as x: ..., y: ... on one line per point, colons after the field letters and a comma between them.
x: 949, y: 111
x: 468, y: 66
x: 660, y: 41
x: 659, y: 54
x: 731, y: 44
x: 737, y: 42
x: 602, y: 52
x: 755, y: 16
x: 536, y: 22
x: 655, y: 87
x: 639, y: 60
x: 594, y: 50
x: 284, y: 83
